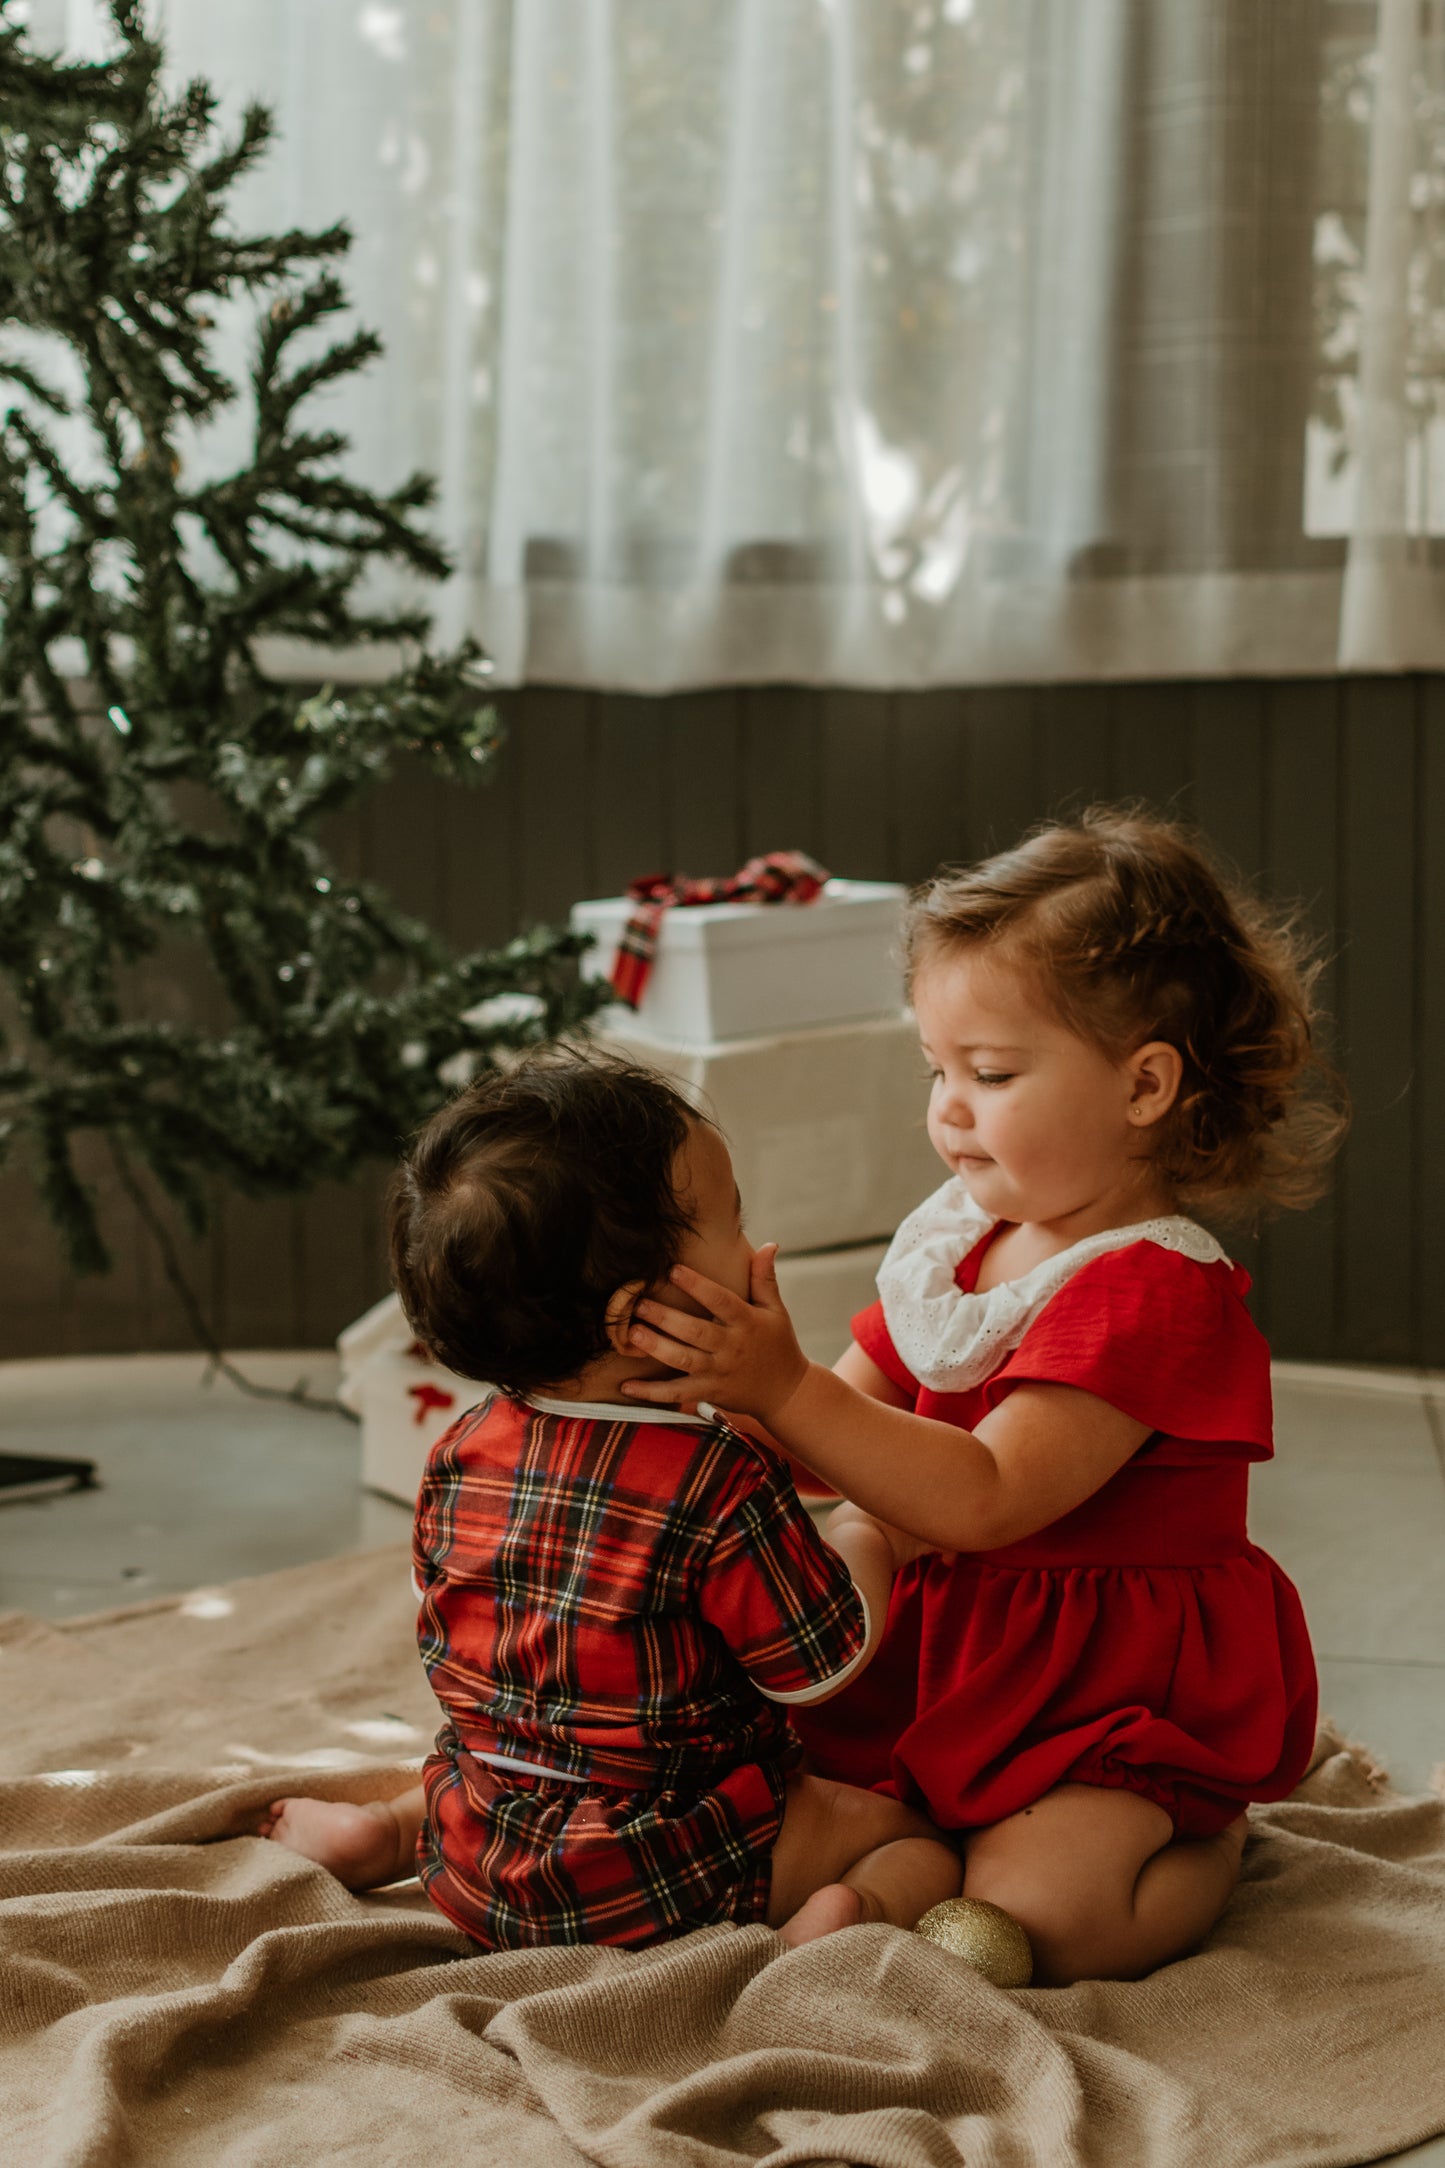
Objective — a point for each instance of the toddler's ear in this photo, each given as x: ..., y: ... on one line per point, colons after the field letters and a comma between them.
x: 621, y: 1304
x: 1156, y: 1073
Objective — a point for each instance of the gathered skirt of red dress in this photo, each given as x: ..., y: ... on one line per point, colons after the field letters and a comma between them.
x: 1142, y: 1641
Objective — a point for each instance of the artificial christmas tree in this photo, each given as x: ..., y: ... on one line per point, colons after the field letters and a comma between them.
x: 160, y: 786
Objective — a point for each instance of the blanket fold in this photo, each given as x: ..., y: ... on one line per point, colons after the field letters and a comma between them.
x: 174, y: 1989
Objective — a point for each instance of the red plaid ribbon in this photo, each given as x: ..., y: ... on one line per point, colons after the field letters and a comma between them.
x: 778, y: 877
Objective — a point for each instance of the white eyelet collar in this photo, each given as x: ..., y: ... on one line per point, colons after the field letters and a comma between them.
x: 612, y: 1411
x: 950, y: 1341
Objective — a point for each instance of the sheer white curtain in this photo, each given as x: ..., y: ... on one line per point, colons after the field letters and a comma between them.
x: 943, y: 341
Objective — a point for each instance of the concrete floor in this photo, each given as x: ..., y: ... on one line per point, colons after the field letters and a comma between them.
x: 202, y: 1485
x: 198, y: 1483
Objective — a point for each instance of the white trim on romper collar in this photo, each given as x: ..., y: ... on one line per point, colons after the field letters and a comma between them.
x: 608, y: 1411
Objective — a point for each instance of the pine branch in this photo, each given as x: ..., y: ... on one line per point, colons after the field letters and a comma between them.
x: 34, y: 385
x: 214, y: 177
x: 173, y: 803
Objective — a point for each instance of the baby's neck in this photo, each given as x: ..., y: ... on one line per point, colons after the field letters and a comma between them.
x: 601, y: 1382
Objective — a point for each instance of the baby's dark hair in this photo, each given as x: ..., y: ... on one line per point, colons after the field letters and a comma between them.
x: 526, y: 1202
x: 1131, y: 933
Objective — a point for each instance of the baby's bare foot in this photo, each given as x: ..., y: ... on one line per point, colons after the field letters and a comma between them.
x: 825, y: 1912
x: 361, y: 1845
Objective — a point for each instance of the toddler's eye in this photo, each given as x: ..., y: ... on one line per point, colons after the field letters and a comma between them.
x: 993, y: 1076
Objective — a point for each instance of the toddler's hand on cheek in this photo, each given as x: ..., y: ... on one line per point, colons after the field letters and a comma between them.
x: 740, y: 1354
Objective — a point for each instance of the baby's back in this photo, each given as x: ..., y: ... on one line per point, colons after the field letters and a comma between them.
x: 580, y: 1570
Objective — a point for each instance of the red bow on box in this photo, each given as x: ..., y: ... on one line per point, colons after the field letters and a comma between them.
x: 428, y: 1397
x: 778, y: 877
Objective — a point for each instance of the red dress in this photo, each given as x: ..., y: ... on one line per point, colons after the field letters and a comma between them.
x: 1139, y: 1641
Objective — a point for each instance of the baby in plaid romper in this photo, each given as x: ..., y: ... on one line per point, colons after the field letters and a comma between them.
x: 619, y: 1604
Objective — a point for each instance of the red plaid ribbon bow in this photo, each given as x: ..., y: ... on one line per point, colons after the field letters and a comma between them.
x: 779, y: 877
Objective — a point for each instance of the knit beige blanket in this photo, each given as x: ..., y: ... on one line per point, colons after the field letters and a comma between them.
x: 173, y: 1990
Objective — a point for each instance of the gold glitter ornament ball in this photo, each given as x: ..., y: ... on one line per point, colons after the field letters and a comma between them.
x: 984, y: 1935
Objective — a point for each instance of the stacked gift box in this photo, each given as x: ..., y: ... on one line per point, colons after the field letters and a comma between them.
x: 784, y: 1023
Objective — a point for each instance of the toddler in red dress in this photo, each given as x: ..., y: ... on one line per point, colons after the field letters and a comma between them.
x: 1092, y: 1671
x: 619, y: 1604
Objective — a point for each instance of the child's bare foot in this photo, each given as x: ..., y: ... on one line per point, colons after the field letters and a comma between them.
x: 828, y: 1909
x: 363, y: 1846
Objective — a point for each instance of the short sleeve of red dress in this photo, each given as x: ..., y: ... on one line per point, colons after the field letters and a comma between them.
x: 1162, y: 1338
x: 870, y: 1331
x: 1159, y: 1336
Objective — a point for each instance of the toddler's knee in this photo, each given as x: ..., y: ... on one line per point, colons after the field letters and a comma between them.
x: 1001, y: 1882
x: 941, y: 1869
x: 1069, y: 1938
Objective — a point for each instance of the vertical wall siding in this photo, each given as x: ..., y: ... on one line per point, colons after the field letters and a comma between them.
x: 1331, y: 792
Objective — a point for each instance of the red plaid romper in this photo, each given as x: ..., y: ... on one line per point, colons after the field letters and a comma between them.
x: 615, y: 1608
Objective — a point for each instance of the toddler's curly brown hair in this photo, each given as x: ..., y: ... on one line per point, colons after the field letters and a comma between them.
x: 1129, y: 932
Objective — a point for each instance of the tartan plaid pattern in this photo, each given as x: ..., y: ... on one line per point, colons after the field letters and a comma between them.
x: 613, y: 1598
x: 777, y: 877
x: 518, y: 1861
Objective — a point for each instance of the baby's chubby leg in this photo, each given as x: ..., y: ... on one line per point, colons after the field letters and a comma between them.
x: 845, y: 1856
x: 364, y: 1845
x: 1101, y: 1885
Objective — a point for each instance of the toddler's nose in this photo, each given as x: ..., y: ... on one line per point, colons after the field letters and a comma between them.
x: 955, y: 1113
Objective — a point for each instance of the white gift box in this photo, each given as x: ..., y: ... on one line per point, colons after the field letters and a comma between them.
x: 381, y: 1329
x: 824, y: 1293
x: 405, y: 1402
x: 733, y: 970
x: 826, y: 1127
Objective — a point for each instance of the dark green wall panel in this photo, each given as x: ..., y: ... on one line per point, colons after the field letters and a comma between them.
x: 781, y: 795
x: 858, y: 767
x: 1005, y: 793
x: 706, y: 784
x: 1375, y: 1296
x: 1301, y: 787
x: 1429, y: 1088
x: 1074, y: 746
x: 932, y: 781
x: 1330, y: 793
x: 551, y: 749
x: 1152, y: 752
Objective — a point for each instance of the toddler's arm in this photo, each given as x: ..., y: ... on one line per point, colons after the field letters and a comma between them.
x: 1035, y: 1457
x: 873, y: 1553
x: 859, y: 1369
x: 863, y: 1542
